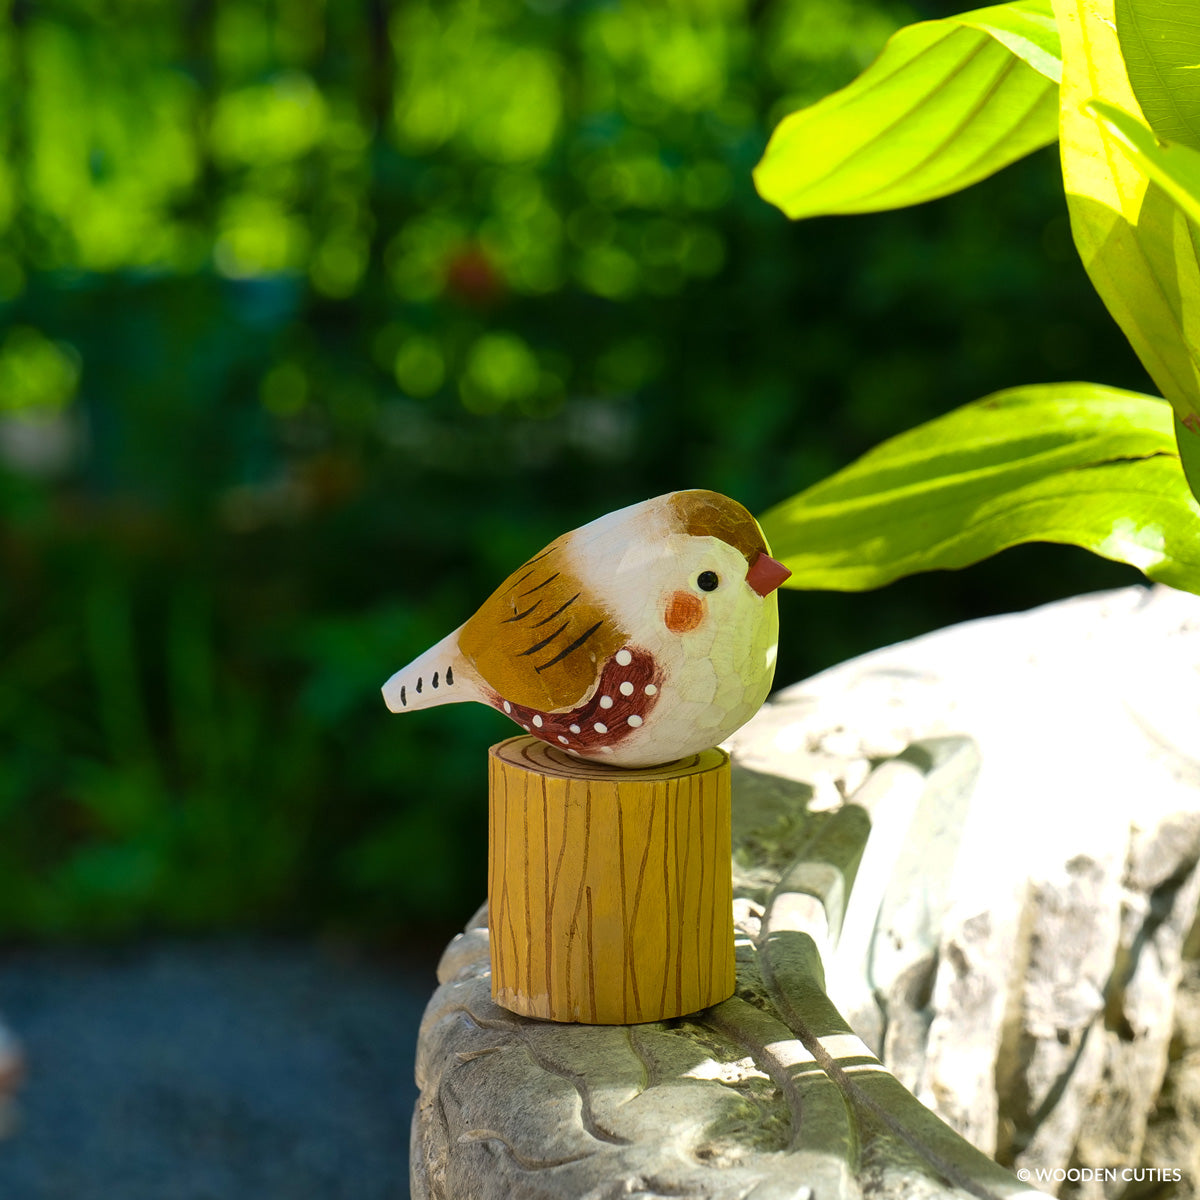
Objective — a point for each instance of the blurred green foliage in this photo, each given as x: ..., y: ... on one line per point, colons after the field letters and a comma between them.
x: 317, y: 317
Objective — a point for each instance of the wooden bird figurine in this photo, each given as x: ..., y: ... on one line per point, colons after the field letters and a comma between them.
x: 639, y: 638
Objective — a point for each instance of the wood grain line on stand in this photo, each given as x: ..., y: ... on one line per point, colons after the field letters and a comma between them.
x: 591, y: 962
x: 627, y: 965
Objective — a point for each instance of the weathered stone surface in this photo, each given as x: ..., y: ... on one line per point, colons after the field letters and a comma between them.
x: 981, y: 848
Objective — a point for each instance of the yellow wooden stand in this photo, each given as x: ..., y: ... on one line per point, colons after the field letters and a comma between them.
x: 609, y: 890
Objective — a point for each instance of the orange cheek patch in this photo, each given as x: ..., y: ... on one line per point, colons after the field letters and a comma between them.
x: 684, y: 612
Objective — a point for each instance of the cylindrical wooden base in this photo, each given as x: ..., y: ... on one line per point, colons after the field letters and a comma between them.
x: 609, y: 891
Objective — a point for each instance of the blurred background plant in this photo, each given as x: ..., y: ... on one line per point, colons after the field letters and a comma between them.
x: 317, y: 317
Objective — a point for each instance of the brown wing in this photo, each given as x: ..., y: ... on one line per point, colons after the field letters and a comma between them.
x: 537, y: 639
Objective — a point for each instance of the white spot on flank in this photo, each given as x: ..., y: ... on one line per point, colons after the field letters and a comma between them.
x: 562, y: 739
x: 606, y: 749
x: 624, y: 658
x: 574, y: 728
x: 651, y: 690
x: 606, y: 702
x: 635, y: 720
x: 507, y: 707
x: 574, y: 752
x: 627, y: 688
x: 525, y: 727
x: 538, y: 722
x: 600, y: 727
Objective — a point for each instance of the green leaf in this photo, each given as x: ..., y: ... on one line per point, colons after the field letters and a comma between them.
x: 946, y: 104
x: 1188, y: 441
x: 1076, y: 463
x: 1175, y: 168
x: 1135, y: 240
x: 1160, y: 42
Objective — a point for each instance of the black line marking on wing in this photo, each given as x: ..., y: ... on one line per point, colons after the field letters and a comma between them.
x: 544, y: 642
x: 418, y: 685
x: 548, y: 579
x: 517, y: 582
x: 449, y: 676
x: 561, y: 608
x: 518, y: 616
x: 583, y: 637
x: 434, y: 680
x: 403, y: 698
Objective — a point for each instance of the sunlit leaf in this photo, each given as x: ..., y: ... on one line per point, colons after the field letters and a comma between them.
x: 1175, y: 168
x: 1134, y: 239
x: 1075, y: 463
x: 946, y: 104
x: 1160, y: 42
x: 1188, y: 441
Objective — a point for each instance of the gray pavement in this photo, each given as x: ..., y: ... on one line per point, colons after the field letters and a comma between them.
x: 211, y: 1071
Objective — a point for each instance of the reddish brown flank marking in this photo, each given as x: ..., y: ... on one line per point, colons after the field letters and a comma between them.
x: 617, y: 712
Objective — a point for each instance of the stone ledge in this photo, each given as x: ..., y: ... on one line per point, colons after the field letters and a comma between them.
x: 1016, y: 804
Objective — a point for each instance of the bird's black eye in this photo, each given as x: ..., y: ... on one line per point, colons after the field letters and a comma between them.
x: 707, y: 581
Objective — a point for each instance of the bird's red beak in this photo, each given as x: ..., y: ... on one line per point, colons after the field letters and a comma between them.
x: 765, y: 574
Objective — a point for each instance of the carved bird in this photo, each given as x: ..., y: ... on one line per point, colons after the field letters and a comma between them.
x: 647, y: 635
